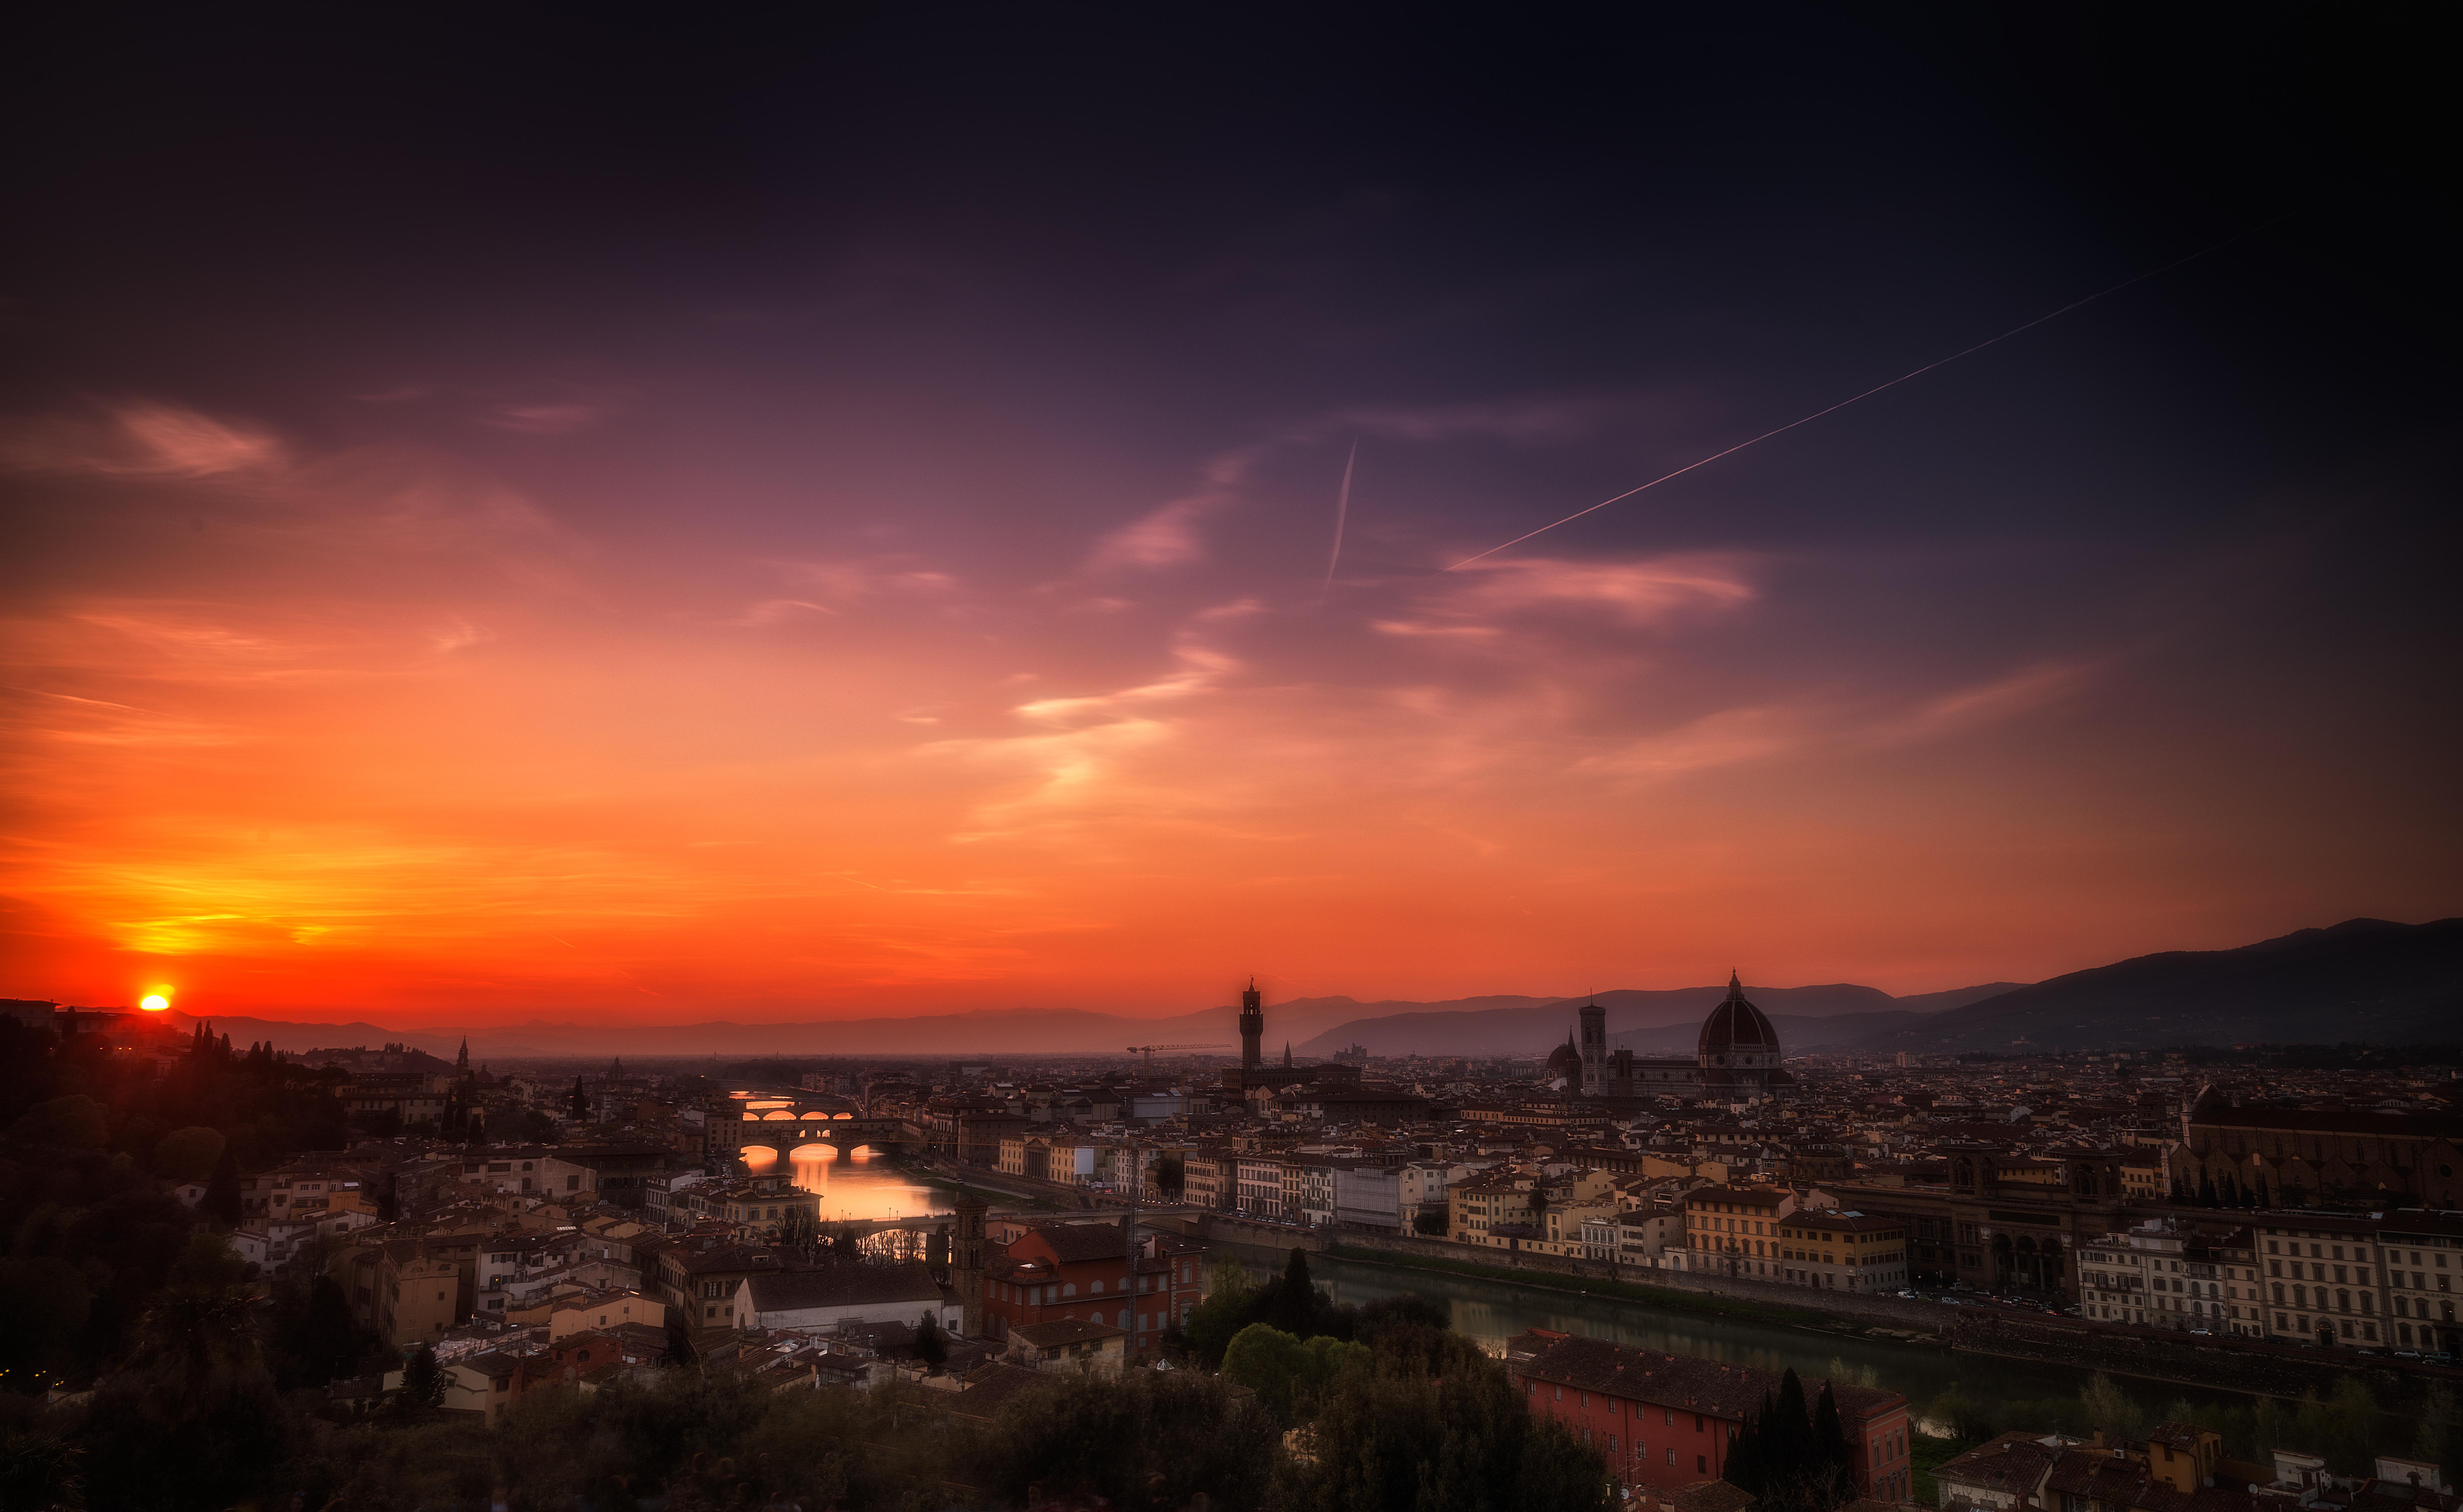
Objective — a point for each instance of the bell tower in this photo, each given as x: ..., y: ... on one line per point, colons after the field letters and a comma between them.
x: 1594, y: 1049
x: 967, y: 1262
x: 1252, y: 1028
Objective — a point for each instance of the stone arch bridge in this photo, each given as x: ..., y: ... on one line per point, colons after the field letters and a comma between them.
x: 786, y: 1120
x: 786, y: 1132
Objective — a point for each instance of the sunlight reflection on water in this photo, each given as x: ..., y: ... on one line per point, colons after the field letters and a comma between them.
x: 862, y: 1185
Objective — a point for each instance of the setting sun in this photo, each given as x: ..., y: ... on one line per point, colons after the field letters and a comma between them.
x: 155, y: 1002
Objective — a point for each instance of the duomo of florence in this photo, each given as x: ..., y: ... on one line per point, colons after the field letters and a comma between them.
x: 1737, y: 1056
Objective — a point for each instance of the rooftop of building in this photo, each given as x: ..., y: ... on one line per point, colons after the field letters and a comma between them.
x: 1689, y: 1382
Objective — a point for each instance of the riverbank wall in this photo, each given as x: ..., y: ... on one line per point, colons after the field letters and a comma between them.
x: 2257, y: 1368
x: 2260, y: 1368
x: 1223, y: 1228
x: 1674, y: 1289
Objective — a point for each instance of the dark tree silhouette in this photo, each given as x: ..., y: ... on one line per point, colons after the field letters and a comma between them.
x: 423, y: 1382
x: 1791, y: 1458
x: 928, y: 1347
x: 220, y: 1201
x: 1295, y: 1303
x: 315, y: 1336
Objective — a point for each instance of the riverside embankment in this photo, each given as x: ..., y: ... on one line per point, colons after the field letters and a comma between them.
x: 2008, y: 1364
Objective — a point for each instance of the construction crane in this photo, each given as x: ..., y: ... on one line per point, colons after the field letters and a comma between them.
x: 1147, y: 1065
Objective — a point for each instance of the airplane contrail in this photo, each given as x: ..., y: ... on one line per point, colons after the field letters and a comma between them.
x: 1867, y: 394
x: 1341, y: 508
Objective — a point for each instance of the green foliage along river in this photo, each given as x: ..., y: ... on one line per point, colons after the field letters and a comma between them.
x: 1955, y: 1395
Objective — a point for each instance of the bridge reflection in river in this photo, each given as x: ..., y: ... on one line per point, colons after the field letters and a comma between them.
x: 862, y: 1185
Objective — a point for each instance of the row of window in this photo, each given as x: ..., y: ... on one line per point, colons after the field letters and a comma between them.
x: 2358, y: 1252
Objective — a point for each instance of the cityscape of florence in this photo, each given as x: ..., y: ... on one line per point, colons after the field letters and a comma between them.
x: 962, y: 759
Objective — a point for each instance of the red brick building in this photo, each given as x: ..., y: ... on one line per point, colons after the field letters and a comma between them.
x: 1666, y: 1420
x: 1076, y: 1270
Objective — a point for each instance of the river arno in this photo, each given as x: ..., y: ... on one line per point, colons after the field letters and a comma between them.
x: 862, y: 1185
x: 1493, y: 1312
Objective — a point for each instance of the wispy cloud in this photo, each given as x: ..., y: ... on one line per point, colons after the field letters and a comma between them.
x: 564, y: 418
x: 1727, y: 737
x: 1644, y: 591
x: 2004, y: 697
x: 775, y: 611
x: 139, y: 439
x: 1165, y: 537
x: 853, y: 579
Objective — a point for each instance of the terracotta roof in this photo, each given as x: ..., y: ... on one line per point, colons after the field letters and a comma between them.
x: 1710, y: 1496
x: 491, y: 1364
x: 1072, y: 1242
x: 1065, y: 1332
x: 2214, y: 1110
x: 1683, y: 1381
x: 1755, y: 1196
x: 2014, y: 1463
x: 844, y: 1287
x: 2114, y: 1477
x: 724, y: 1257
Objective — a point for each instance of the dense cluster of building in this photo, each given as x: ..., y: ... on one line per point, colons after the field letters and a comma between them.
x: 2307, y: 1206
x: 567, y: 1224
x: 2129, y: 1189
x: 2178, y: 1467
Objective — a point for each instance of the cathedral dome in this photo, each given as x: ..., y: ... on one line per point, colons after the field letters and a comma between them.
x: 1736, y: 1025
x: 1565, y: 1060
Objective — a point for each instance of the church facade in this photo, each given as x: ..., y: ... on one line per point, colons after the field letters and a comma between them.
x: 1737, y: 1057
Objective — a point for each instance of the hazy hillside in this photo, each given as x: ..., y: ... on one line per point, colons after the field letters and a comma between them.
x: 1797, y: 1035
x: 1642, y: 1020
x: 2364, y: 979
x: 1019, y: 1031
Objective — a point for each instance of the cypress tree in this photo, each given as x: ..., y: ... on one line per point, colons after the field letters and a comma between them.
x: 1296, y: 1270
x: 325, y: 1340
x: 1787, y: 1437
x: 423, y: 1381
x: 1745, y: 1468
x: 1295, y: 1306
x: 1830, y: 1434
x: 220, y: 1201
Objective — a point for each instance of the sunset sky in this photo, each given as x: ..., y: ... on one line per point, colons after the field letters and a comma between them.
x: 841, y: 521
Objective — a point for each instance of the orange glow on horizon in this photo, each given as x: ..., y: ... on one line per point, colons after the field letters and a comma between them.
x: 370, y: 736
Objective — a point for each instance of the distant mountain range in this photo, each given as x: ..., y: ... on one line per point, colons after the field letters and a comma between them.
x: 1649, y: 1022
x: 2366, y: 980
x: 1004, y: 1032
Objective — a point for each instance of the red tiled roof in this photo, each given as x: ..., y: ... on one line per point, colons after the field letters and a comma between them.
x: 1684, y: 1381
